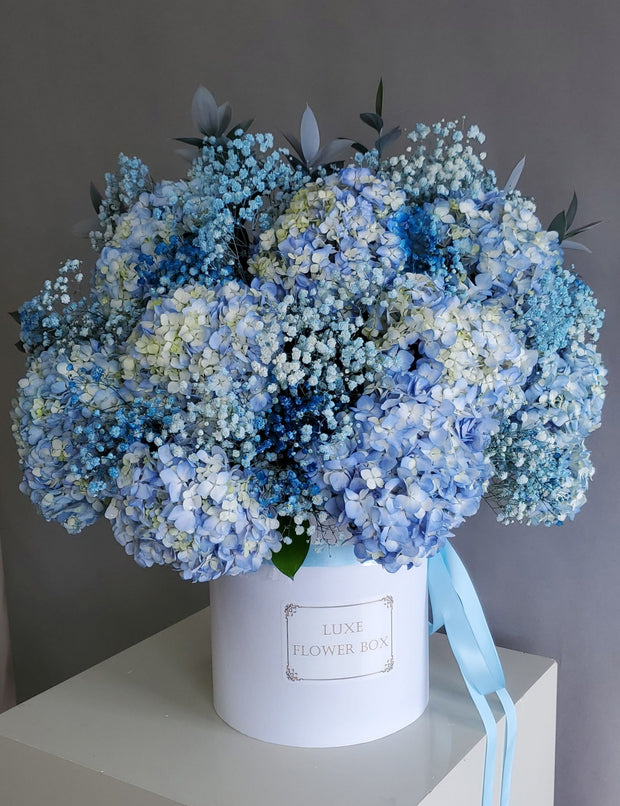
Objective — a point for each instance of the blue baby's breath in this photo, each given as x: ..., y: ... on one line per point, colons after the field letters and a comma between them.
x: 269, y: 347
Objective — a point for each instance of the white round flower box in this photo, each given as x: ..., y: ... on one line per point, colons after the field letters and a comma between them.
x: 337, y: 656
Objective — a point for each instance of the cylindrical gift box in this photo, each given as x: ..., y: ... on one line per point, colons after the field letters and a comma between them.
x: 336, y: 656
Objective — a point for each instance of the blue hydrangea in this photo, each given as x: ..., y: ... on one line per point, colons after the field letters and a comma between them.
x: 542, y: 465
x: 363, y: 349
x: 413, y: 469
x: 190, y: 511
x: 66, y: 402
x: 337, y: 229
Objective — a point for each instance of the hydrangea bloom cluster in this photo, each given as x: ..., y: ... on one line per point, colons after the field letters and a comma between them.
x: 272, y: 345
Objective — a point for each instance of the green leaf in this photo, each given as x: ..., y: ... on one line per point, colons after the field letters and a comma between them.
x: 205, y: 111
x: 20, y: 346
x: 379, y: 99
x: 291, y: 556
x: 567, y: 243
x: 332, y: 152
x: 372, y: 120
x: 559, y: 225
x: 224, y: 114
x: 579, y: 230
x: 95, y: 197
x: 386, y: 139
x: 191, y: 141
x: 359, y: 147
x: 572, y: 211
x: 309, y: 135
x: 15, y: 315
x: 244, y: 126
x: 295, y: 145
x: 514, y: 177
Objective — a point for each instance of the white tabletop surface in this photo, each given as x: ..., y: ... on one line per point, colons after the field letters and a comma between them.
x: 144, y: 717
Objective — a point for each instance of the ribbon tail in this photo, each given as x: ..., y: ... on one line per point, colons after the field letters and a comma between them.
x: 456, y: 605
x: 509, y: 743
x: 490, y: 753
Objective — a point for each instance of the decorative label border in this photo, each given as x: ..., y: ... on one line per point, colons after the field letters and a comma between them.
x: 290, y: 610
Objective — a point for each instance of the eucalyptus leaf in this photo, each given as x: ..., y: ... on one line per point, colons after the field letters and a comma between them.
x: 372, y: 120
x: 575, y: 245
x: 198, y: 142
x: 513, y: 179
x: 572, y: 211
x: 332, y: 151
x: 291, y: 556
x: 185, y: 154
x: 243, y: 126
x: 204, y: 111
x: 387, y: 139
x: 585, y: 228
x: 379, y: 99
x: 294, y: 143
x: 309, y: 136
x: 559, y: 225
x: 224, y: 115
x: 95, y: 197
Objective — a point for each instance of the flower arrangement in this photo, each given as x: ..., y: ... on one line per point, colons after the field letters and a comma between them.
x: 294, y: 346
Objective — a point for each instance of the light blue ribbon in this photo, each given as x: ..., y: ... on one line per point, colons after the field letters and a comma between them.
x: 330, y: 556
x: 456, y: 606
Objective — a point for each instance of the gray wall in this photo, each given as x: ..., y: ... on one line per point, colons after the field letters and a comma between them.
x: 83, y: 80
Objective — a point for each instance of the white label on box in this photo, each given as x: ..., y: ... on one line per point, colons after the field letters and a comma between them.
x: 338, y: 642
